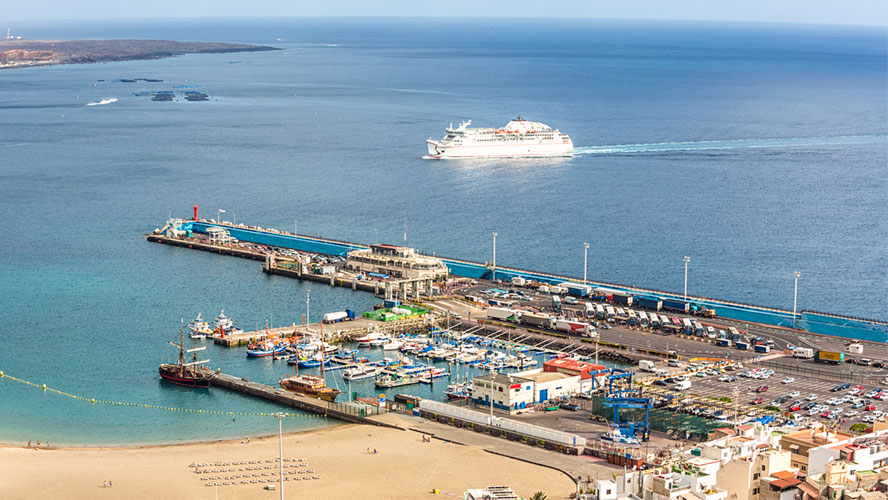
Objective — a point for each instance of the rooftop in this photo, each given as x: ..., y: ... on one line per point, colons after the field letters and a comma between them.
x: 547, y: 376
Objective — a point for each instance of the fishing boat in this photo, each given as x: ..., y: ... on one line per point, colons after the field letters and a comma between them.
x: 187, y: 374
x: 396, y: 380
x: 312, y: 361
x: 365, y: 340
x: 394, y: 345
x: 311, y: 385
x: 380, y: 341
x: 359, y: 372
x: 222, y: 322
x: 198, y: 328
x: 459, y: 390
x: 268, y: 347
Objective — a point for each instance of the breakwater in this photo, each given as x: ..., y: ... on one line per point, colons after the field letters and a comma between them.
x: 816, y: 322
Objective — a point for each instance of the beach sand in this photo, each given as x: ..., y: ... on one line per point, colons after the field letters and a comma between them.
x: 405, y: 467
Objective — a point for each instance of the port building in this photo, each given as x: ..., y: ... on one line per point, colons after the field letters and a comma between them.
x: 396, y: 262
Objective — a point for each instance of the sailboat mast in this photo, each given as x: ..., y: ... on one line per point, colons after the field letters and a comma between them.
x: 181, y: 346
x: 323, y: 355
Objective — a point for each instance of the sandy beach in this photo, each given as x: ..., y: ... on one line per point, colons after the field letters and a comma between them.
x: 404, y: 467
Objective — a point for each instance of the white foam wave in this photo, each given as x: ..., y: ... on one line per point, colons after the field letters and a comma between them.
x: 658, y: 147
x: 102, y: 102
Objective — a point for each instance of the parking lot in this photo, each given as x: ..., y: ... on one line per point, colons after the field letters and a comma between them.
x: 747, y: 401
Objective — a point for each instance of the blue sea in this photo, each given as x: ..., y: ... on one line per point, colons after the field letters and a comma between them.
x: 756, y: 149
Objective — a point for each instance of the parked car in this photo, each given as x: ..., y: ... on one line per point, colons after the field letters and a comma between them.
x: 762, y: 388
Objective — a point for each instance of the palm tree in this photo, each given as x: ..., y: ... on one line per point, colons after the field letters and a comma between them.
x: 539, y: 496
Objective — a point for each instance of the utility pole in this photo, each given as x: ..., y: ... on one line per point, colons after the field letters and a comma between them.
x: 295, y: 227
x: 585, y: 261
x: 308, y: 310
x: 686, y: 260
x: 492, y: 377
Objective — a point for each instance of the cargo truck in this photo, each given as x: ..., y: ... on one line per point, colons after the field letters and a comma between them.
x: 556, y: 303
x: 743, y: 346
x: 649, y: 303
x: 571, y: 326
x: 557, y: 289
x: 676, y: 305
x: 539, y: 320
x: 336, y: 317
x: 576, y: 289
x: 519, y: 281
x: 803, y: 353
x: 600, y: 312
x: 502, y: 313
x: 622, y: 299
x: 829, y: 357
x: 724, y: 343
x: 590, y: 309
x: 762, y: 348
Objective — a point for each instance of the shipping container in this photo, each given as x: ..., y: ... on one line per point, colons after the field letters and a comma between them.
x: 518, y: 281
x: 571, y: 326
x: 557, y: 289
x: 540, y: 320
x: 676, y: 305
x: 576, y: 289
x: 762, y: 348
x: 829, y: 357
x: 622, y: 299
x: 743, y: 346
x: 724, y: 343
x: 649, y: 303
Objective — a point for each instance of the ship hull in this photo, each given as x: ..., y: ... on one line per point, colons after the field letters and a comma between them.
x: 440, y: 151
x: 185, y: 381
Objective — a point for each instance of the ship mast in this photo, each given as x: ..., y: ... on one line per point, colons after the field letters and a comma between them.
x: 323, y: 355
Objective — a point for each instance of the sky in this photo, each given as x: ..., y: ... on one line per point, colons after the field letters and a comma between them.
x: 855, y: 12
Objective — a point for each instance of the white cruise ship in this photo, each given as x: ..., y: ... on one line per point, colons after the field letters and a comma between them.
x: 519, y: 138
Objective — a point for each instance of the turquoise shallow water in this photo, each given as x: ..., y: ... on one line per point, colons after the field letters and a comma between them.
x: 757, y: 150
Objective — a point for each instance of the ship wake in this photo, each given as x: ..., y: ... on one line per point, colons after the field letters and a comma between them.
x: 661, y: 147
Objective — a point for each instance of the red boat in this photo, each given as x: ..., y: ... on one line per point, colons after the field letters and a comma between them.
x: 187, y: 374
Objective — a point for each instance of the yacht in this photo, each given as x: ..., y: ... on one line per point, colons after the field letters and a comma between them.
x: 517, y: 139
x: 361, y: 371
x: 198, y: 328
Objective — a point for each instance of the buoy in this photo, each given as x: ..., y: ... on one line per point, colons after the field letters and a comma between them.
x: 93, y: 400
x: 44, y: 387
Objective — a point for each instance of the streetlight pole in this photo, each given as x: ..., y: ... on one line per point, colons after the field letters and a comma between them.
x: 494, y: 261
x: 295, y: 226
x: 377, y: 234
x: 280, y: 416
x: 308, y: 309
x: 492, y: 377
x: 795, y: 298
x: 585, y: 261
x: 220, y: 215
x: 686, y: 260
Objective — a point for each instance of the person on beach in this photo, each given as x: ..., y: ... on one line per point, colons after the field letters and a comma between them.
x: 104, y: 484
x: 38, y: 444
x: 29, y: 444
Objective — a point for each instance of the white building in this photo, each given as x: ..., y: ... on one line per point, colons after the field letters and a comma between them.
x: 395, y: 261
x: 521, y: 390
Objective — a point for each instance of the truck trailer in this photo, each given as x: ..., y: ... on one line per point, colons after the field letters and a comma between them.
x: 540, y: 320
x: 829, y: 357
x: 649, y: 303
x: 336, y: 317
x: 676, y: 305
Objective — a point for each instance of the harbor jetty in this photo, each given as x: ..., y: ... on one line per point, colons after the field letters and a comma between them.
x: 265, y: 244
x: 347, y: 412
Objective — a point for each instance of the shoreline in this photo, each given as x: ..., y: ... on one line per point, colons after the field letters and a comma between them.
x: 348, y: 461
x: 16, y: 54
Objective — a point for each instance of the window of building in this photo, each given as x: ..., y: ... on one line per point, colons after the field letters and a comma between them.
x: 763, y: 467
x: 804, y: 468
x: 755, y: 491
x: 756, y: 476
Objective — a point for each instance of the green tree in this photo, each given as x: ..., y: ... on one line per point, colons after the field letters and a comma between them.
x: 725, y: 399
x: 539, y: 496
x: 859, y: 427
x: 772, y: 408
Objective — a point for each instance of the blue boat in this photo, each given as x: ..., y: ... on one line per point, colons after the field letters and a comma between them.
x: 312, y: 363
x: 266, y: 348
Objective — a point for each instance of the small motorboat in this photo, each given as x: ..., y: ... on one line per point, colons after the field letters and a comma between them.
x: 361, y: 371
x: 265, y: 348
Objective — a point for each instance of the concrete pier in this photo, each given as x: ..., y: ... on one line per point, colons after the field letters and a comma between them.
x: 346, y: 412
x: 345, y: 331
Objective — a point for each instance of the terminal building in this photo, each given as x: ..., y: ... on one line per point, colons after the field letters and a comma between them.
x: 520, y: 390
x: 396, y: 262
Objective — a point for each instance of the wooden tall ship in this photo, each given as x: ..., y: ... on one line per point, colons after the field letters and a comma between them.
x: 190, y: 374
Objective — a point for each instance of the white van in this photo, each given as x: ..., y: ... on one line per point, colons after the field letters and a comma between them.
x: 674, y: 363
x: 646, y: 365
x: 683, y: 385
